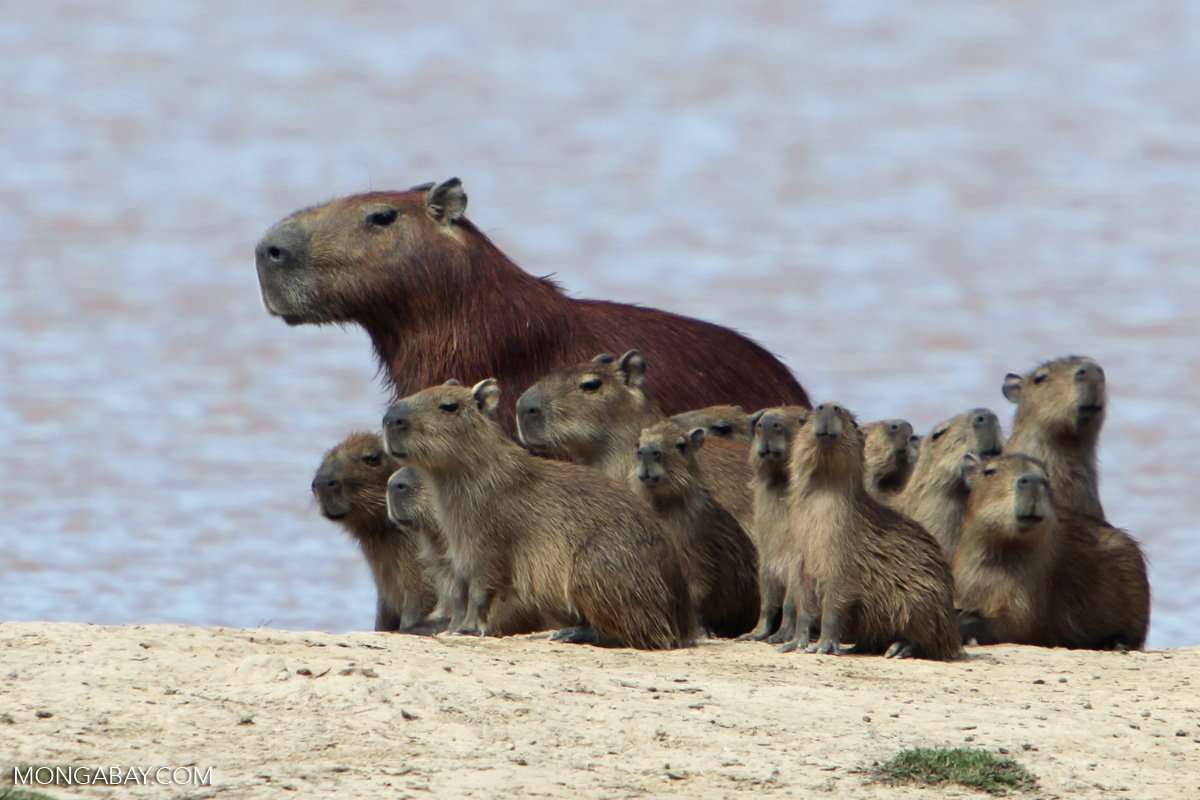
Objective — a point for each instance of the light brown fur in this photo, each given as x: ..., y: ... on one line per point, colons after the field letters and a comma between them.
x: 720, y: 561
x: 593, y: 413
x: 1031, y: 572
x: 935, y: 495
x: 881, y: 579
x: 888, y: 450
x: 565, y: 540
x: 727, y: 422
x: 1061, y: 406
x: 351, y: 487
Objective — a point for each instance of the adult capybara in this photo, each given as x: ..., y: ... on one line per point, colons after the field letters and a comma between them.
x: 728, y: 422
x: 592, y: 414
x: 562, y: 539
x: 720, y: 561
x: 1032, y: 572
x: 773, y: 430
x: 1060, y: 410
x: 439, y: 300
x: 888, y: 450
x: 351, y: 488
x: 410, y: 506
x: 881, y: 579
x: 936, y: 495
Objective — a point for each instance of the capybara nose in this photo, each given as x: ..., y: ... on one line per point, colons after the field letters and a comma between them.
x: 396, y: 418
x: 530, y: 404
x: 282, y: 246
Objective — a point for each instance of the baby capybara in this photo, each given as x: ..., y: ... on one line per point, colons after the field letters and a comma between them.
x: 1031, y: 572
x: 592, y: 414
x: 889, y: 450
x: 720, y: 561
x: 439, y: 299
x: 936, y: 495
x: 773, y: 430
x: 565, y: 540
x: 881, y: 579
x: 351, y: 488
x: 1060, y: 410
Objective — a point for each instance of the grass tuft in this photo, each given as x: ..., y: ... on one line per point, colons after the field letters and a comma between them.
x: 976, y: 769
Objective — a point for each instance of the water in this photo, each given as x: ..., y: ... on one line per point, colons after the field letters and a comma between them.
x: 904, y: 205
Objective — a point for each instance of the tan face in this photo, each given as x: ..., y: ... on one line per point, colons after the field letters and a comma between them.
x: 1010, y: 496
x: 352, y: 478
x: 444, y: 426
x: 888, y: 441
x: 976, y: 432
x: 665, y: 459
x: 830, y: 446
x: 408, y: 504
x: 574, y: 411
x: 340, y: 261
x: 772, y: 432
x: 726, y: 422
x: 1065, y: 396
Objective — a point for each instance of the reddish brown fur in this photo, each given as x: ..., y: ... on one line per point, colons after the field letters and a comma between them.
x: 724, y: 421
x: 1061, y: 406
x: 720, y: 561
x: 888, y: 450
x: 1031, y: 572
x: 592, y: 414
x: 773, y: 430
x: 880, y: 578
x: 440, y: 300
x: 562, y: 539
x: 351, y: 486
x: 935, y: 494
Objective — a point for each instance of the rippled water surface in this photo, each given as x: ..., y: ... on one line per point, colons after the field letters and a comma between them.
x: 905, y: 206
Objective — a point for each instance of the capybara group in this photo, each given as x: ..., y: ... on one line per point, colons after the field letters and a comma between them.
x: 440, y: 300
x: 566, y: 541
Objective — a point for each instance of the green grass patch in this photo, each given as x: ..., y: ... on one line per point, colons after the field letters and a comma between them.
x: 976, y: 769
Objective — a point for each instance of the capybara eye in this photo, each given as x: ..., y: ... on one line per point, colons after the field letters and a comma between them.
x: 1040, y: 378
x: 383, y: 218
x: 938, y: 434
x: 990, y: 471
x: 723, y: 428
x: 681, y: 445
x: 590, y: 385
x: 371, y: 459
x: 449, y: 408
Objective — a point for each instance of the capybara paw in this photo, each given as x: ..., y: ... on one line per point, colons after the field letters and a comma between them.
x: 752, y: 636
x: 464, y: 631
x: 790, y: 646
x: 826, y: 647
x: 901, y: 650
x: 779, y: 637
x: 581, y: 634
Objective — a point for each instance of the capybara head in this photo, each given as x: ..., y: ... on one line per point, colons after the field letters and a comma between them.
x: 829, y: 449
x: 772, y: 431
x: 727, y: 422
x: 1010, y: 498
x: 444, y: 427
x: 1062, y: 397
x: 573, y: 411
x: 888, y: 447
x: 408, y: 504
x: 350, y: 485
x: 976, y: 432
x: 664, y: 463
x: 337, y: 262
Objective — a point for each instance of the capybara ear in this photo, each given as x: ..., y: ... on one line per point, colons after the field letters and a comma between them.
x: 604, y: 358
x: 753, y: 421
x: 453, y: 382
x: 487, y: 395
x: 447, y: 201
x: 1012, y: 387
x: 970, y: 470
x: 632, y: 368
x: 696, y: 437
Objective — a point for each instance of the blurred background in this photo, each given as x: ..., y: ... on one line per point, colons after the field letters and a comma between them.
x: 904, y: 202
